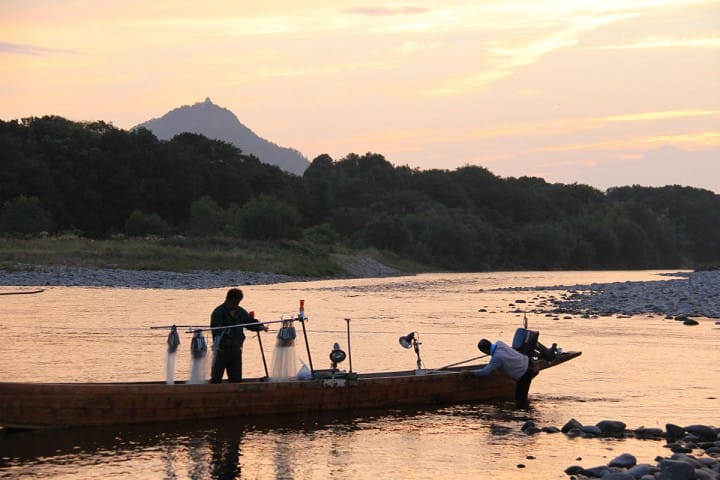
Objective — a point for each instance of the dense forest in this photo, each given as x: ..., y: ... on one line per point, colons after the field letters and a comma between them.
x: 99, y: 181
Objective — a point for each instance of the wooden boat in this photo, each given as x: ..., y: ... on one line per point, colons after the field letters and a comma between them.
x: 52, y: 405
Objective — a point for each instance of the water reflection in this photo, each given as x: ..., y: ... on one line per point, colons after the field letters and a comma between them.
x: 225, y: 461
x: 223, y: 449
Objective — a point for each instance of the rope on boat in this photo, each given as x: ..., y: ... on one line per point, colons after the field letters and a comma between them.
x: 395, y: 332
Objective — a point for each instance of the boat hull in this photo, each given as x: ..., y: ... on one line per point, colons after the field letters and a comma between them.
x: 52, y: 405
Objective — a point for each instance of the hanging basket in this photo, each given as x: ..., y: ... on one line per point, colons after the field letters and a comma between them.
x: 173, y: 340
x: 198, y: 345
x: 287, y: 334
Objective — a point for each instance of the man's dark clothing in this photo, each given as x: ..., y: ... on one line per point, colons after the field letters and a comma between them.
x: 522, y: 387
x: 514, y: 365
x: 228, y: 342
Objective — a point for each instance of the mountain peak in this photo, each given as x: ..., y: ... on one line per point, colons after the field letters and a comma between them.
x: 218, y: 123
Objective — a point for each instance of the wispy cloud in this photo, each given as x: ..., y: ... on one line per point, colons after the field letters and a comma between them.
x: 690, y: 141
x: 662, y: 43
x: 468, y: 83
x: 385, y: 11
x: 525, y: 41
x: 564, y: 127
x: 301, y: 71
x: 669, y: 114
x: 410, y: 47
x: 20, y: 49
x: 413, y: 139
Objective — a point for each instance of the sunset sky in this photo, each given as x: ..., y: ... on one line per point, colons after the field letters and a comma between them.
x: 606, y: 93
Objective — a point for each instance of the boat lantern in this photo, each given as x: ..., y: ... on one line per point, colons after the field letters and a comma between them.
x: 198, y: 345
x: 408, y: 340
x: 411, y: 340
x: 337, y: 355
x: 173, y: 339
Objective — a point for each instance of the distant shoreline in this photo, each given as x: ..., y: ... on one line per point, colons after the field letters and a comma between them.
x: 695, y: 295
x: 22, y: 275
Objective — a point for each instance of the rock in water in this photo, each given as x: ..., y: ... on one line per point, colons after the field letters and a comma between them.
x: 611, y: 427
x: 674, y: 431
x: 702, y: 431
x: 572, y: 423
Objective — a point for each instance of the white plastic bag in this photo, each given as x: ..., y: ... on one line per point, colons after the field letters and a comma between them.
x: 304, y: 373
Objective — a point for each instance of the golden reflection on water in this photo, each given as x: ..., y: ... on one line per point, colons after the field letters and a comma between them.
x: 645, y: 371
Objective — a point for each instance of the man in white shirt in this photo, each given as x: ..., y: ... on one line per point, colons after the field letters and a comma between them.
x: 511, y: 363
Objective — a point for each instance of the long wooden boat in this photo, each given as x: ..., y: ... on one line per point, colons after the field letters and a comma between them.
x: 52, y: 405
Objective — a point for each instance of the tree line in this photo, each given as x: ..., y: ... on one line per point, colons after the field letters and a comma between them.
x: 98, y: 181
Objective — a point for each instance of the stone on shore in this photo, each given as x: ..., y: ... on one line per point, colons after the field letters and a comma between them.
x: 625, y: 460
x: 676, y: 470
x: 696, y: 451
x: 641, y: 469
x: 693, y: 294
x: 684, y: 464
x: 617, y: 476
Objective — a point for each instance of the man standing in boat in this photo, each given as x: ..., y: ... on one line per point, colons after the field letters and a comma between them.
x: 512, y: 364
x: 228, y: 342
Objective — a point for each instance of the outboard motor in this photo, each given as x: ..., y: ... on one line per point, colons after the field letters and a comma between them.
x: 526, y: 341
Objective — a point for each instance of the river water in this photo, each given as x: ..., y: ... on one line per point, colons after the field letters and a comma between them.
x: 642, y: 370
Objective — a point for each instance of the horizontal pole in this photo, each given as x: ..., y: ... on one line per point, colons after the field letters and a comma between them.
x: 457, y: 363
x: 167, y: 327
x: 207, y: 329
x: 193, y: 328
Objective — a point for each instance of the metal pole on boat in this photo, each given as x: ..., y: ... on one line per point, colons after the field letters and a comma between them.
x: 192, y: 328
x: 349, y: 349
x: 435, y: 370
x: 459, y: 363
x: 262, y: 352
x: 307, y: 346
x: 165, y: 327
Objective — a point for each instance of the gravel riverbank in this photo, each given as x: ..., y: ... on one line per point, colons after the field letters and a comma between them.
x: 694, y: 294
x: 362, y: 266
x: 62, y: 276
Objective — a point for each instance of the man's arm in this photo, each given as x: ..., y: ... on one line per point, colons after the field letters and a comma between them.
x: 244, y: 317
x: 489, y: 368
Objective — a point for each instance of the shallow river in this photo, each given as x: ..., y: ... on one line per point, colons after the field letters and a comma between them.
x: 643, y: 370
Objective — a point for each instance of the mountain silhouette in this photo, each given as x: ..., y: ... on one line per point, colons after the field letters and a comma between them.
x: 219, y: 123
